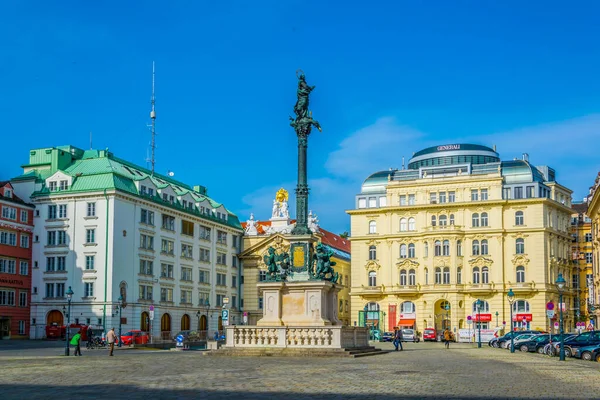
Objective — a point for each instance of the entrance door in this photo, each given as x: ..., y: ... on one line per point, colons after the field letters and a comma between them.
x: 185, y: 322
x: 165, y: 326
x: 5, y: 328
x: 144, y: 322
x: 54, y: 317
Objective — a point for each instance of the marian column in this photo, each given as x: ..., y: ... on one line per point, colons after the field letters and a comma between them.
x: 302, y: 124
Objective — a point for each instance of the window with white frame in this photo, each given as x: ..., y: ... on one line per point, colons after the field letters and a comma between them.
x: 446, y: 277
x: 90, y: 261
x: 22, y: 299
x: 438, y: 275
x: 186, y: 296
x: 24, y: 216
x: 520, y: 274
x: 166, y: 270
x: 61, y: 263
x: 9, y: 212
x: 485, y: 275
x: 90, y: 236
x: 459, y: 248
x: 8, y: 238
x: 412, y: 277
x: 7, y: 297
x: 446, y: 248
x: 25, y: 241
x: 146, y: 217
x: 146, y: 292
x: 187, y: 251
x: 483, y: 194
x: 372, y: 252
x: 372, y: 227
x: 64, y: 185
x: 24, y: 268
x: 61, y: 238
x: 403, y: 200
x: 408, y: 307
x: 91, y: 210
x: 475, y: 220
x: 262, y: 276
x: 520, y: 306
x: 411, y: 250
x: 520, y: 246
x: 519, y: 218
x: 21, y: 327
x: 433, y: 220
x: 437, y: 245
x: 89, y: 289
x: 166, y: 294
x: 186, y: 274
x: 403, y: 225
x: 221, y: 258
x: 484, y: 247
x: 146, y: 242
x: 221, y: 237
x: 167, y: 247
x: 146, y: 267
x: 411, y: 199
x: 362, y: 203
x: 484, y: 219
x: 474, y: 195
x: 204, y: 276
x: 484, y: 307
x: 168, y: 222
x: 475, y: 247
x: 60, y: 290
x: 443, y: 220
x: 403, y: 277
x: 411, y: 224
x: 476, y: 275
x: 442, y: 196
x: 459, y: 275
x: 221, y: 279
x: 451, y: 197
x: 204, y: 232
x: 403, y: 251
x: 52, y: 211
x: 62, y: 211
x: 204, y: 255
x: 372, y: 278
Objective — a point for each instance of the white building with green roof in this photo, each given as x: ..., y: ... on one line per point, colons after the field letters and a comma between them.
x: 110, y: 229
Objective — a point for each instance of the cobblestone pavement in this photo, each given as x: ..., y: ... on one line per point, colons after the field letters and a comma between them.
x: 421, y: 371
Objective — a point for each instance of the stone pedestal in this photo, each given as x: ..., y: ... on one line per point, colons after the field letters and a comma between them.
x: 305, y: 303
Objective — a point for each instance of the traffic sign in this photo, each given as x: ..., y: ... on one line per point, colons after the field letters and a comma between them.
x: 590, y: 326
x: 225, y: 300
x: 469, y: 317
x: 550, y: 313
x: 556, y: 325
x: 151, y: 315
x: 592, y: 322
x: 549, y: 306
x: 151, y: 308
x: 469, y: 321
x: 225, y: 315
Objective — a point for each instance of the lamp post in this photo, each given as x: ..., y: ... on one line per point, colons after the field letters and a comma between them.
x: 447, y: 308
x: 511, y: 298
x: 479, y: 302
x: 497, y: 313
x: 198, y: 314
x: 69, y: 296
x: 207, y: 306
x: 120, y: 307
x: 560, y: 285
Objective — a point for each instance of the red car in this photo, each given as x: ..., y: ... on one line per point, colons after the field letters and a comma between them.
x: 135, y: 336
x: 429, y: 334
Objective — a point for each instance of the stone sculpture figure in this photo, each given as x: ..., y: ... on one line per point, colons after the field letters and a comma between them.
x: 251, y: 226
x: 285, y: 212
x: 275, y: 212
x: 301, y: 107
x: 271, y: 263
x: 323, y: 268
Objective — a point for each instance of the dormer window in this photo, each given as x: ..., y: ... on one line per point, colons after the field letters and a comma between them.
x: 172, y: 199
x: 150, y: 192
x: 143, y: 190
x: 8, y: 193
x: 64, y: 185
x: 52, y: 186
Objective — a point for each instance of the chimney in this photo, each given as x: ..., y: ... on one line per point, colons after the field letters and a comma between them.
x: 525, y: 157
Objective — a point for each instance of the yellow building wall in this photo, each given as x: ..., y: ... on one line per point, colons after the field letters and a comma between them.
x: 252, y: 261
x: 594, y: 214
x: 547, y: 252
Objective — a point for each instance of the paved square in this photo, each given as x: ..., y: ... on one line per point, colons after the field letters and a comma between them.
x: 423, y: 370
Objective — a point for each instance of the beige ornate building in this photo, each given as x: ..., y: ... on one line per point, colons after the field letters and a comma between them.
x: 275, y: 232
x: 460, y: 225
x: 594, y: 215
x: 581, y: 244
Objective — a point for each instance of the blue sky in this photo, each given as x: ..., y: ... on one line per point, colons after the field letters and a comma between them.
x: 392, y: 77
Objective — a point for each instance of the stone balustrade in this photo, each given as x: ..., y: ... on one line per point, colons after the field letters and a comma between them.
x: 332, y: 337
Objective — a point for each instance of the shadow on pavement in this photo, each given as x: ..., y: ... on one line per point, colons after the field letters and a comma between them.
x: 16, y: 391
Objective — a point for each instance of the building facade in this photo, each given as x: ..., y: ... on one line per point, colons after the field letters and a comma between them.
x: 582, y: 256
x: 459, y: 225
x: 16, y: 227
x: 260, y: 235
x: 118, y: 235
x: 593, y: 213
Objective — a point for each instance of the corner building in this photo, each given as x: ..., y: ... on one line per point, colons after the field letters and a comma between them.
x: 456, y: 226
x: 122, y: 236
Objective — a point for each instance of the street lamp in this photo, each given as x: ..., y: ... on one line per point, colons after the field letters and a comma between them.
x: 198, y: 314
x: 511, y: 298
x: 479, y: 303
x: 447, y: 308
x: 497, y: 313
x: 560, y: 285
x: 207, y: 306
x: 69, y: 296
x: 120, y: 307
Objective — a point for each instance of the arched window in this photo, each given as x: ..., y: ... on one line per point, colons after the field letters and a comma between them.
x: 403, y: 225
x: 485, y: 275
x: 372, y: 278
x: 475, y: 247
x: 372, y: 227
x: 433, y: 220
x: 483, y: 308
x: 520, y: 274
x: 372, y: 252
x: 520, y: 246
x: 475, y: 220
x: 438, y: 275
x: 185, y: 322
x: 426, y: 276
x: 484, y: 219
x: 520, y: 306
x: 446, y: 275
x: 438, y: 248
x: 459, y: 275
x: 411, y: 224
x: 411, y: 250
x: 443, y: 220
x: 426, y: 249
x: 403, y: 251
x: 372, y: 307
x: 459, y: 248
x: 403, y: 277
x: 484, y: 247
x: 476, y: 275
x: 412, y: 277
x: 519, y: 218
x: 144, y: 321
x: 451, y: 219
x: 408, y: 307
x: 446, y: 248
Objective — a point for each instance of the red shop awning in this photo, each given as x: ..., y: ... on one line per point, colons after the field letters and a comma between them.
x: 406, y: 322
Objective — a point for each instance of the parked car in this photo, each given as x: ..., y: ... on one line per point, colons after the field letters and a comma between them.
x: 504, y: 341
x: 584, y: 339
x: 596, y: 354
x: 586, y: 352
x: 409, y: 335
x: 135, y: 336
x: 429, y: 335
x: 534, y: 343
x: 517, y: 340
x: 387, y: 337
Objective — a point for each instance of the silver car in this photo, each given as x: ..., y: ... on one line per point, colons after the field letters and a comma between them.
x: 409, y: 335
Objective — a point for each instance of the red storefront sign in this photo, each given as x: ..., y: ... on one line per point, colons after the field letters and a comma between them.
x: 482, y: 317
x: 521, y: 317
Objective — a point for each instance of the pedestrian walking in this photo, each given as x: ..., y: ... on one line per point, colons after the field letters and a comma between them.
x: 398, y: 339
x: 447, y: 338
x: 111, y: 338
x: 76, y: 341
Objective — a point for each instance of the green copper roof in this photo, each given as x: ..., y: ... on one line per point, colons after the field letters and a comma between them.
x: 97, y: 170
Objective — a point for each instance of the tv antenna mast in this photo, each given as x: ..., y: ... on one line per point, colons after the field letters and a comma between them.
x: 153, y: 123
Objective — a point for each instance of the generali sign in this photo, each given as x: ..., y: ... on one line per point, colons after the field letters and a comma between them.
x: 449, y: 147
